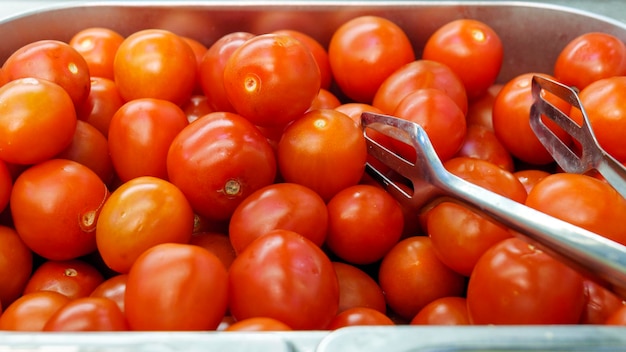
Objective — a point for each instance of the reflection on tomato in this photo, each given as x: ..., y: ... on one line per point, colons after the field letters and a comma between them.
x: 31, y: 311
x: 88, y: 314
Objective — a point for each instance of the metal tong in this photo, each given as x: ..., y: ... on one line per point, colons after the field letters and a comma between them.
x: 589, y: 253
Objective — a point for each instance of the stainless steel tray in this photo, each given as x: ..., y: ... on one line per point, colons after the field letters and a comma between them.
x: 533, y: 34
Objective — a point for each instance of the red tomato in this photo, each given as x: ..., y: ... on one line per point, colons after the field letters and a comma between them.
x: 217, y: 161
x: 90, y: 147
x: 323, y: 150
x: 31, y: 311
x: 103, y: 101
x: 355, y: 110
x: 286, y: 206
x: 113, y: 288
x: 412, y: 276
x: 480, y: 110
x: 324, y: 100
x: 183, y: 276
x: 364, y: 51
x: 72, y: 278
x: 364, y: 223
x: 304, y: 293
x: 198, y: 50
x: 603, y: 101
x: 617, y: 318
x: 515, y: 283
x: 55, y: 206
x: 22, y: 122
x: 590, y: 57
x: 319, y: 53
x: 417, y: 75
x: 258, y: 324
x: 482, y: 143
x: 155, y: 63
x: 6, y: 185
x: 472, y: 49
x: 439, y: 116
x: 530, y: 177
x: 197, y: 107
x: 140, y: 135
x: 16, y: 264
x: 583, y: 201
x: 88, y: 314
x: 443, y: 311
x: 359, y: 316
x: 216, y: 243
x: 211, y: 69
x: 271, y: 79
x: 138, y: 215
x: 54, y: 61
x: 358, y: 289
x: 511, y: 115
x: 600, y: 304
x: 98, y: 46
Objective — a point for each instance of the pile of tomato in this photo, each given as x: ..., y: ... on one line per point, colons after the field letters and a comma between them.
x: 152, y: 182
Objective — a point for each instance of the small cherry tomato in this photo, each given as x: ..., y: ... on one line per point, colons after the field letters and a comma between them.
x: 217, y: 161
x: 530, y: 177
x: 258, y: 324
x: 155, y: 63
x: 482, y: 143
x: 443, y: 311
x: 304, y: 293
x: 364, y: 51
x: 31, y: 311
x: 98, y: 46
x: 138, y: 215
x: 103, y: 101
x: 472, y: 49
x: 184, y: 276
x: 600, y: 304
x: 216, y: 243
x: 55, y: 207
x: 358, y: 289
x: 72, y: 278
x: 16, y: 264
x: 286, y: 206
x: 359, y: 316
x: 113, y: 288
x: 271, y: 79
x: 88, y: 314
x: 323, y: 150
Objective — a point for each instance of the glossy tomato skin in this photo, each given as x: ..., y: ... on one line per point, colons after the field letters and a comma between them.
x: 271, y: 79
x: 412, y: 276
x: 287, y: 206
x: 211, y: 69
x: 359, y: 316
x: 365, y: 222
x: 16, y: 264
x: 216, y: 243
x: 21, y: 122
x: 31, y: 311
x: 530, y: 177
x: 88, y: 314
x: 439, y: 116
x: 364, y: 51
x: 516, y: 283
x: 103, y: 101
x: 323, y: 150
x: 258, y: 324
x: 582, y: 200
x: 55, y: 207
x: 53, y: 61
x: 73, y: 278
x: 217, y: 161
x: 416, y: 75
x: 590, y: 57
x: 480, y: 110
x: 511, y: 115
x: 97, y: 46
x: 472, y: 49
x: 113, y: 288
x: 443, y: 311
x: 90, y: 147
x: 155, y: 63
x: 603, y: 101
x: 482, y: 143
x: 358, y: 289
x: 138, y: 215
x: 304, y: 293
x: 600, y: 304
x: 140, y: 134
x: 176, y: 275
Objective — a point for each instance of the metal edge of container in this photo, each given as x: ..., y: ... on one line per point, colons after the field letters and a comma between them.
x: 530, y: 32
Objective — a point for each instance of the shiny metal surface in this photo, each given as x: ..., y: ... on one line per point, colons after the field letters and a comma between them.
x: 584, y: 250
x: 533, y: 33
